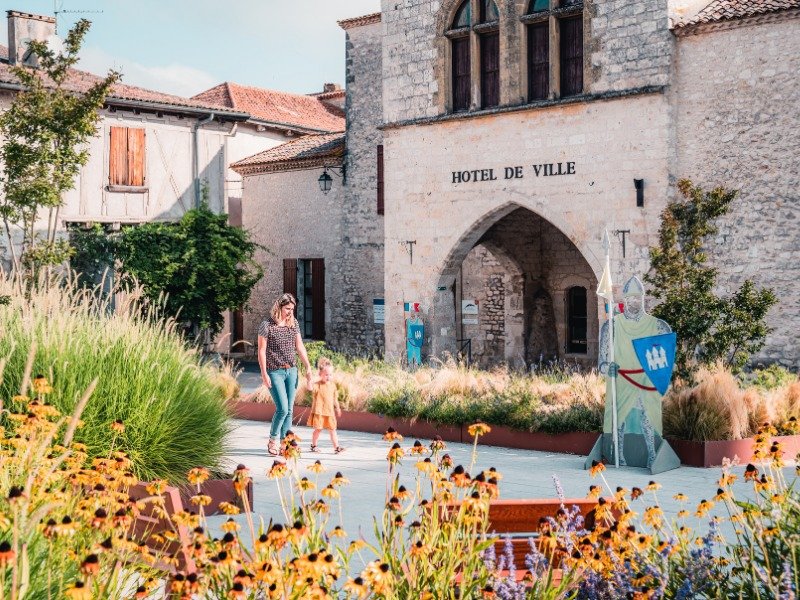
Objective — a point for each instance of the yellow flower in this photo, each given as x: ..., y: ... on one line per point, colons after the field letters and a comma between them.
x: 764, y: 484
x: 426, y: 466
x: 478, y: 429
x: 355, y: 588
x: 653, y: 516
x: 703, y: 508
x: 594, y: 492
x: 418, y: 448
x: 40, y: 385
x: 403, y: 493
x: 305, y: 485
x: 392, y: 436
x: 330, y: 492
x: 198, y: 475
x: 156, y: 487
x: 682, y: 514
x: 437, y: 445
x: 395, y: 454
x: 337, y: 532
x: 722, y: 495
x: 597, y: 467
x: 316, y: 467
x: 228, y: 508
x: 339, y: 479
x: 680, y: 497
x: 653, y: 486
x: 278, y: 470
x: 6, y: 554
x: 200, y: 500
x: 79, y: 591
x: 118, y: 426
x: 230, y: 526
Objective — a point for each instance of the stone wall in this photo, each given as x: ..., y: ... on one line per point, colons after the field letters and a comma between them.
x: 627, y: 45
x: 611, y: 143
x: 357, y: 274
x: 630, y: 45
x: 737, y: 125
x: 290, y: 217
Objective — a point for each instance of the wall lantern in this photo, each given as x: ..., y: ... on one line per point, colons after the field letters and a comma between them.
x: 326, y: 181
x: 639, y: 185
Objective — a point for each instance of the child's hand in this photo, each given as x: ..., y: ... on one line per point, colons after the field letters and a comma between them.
x: 338, y: 412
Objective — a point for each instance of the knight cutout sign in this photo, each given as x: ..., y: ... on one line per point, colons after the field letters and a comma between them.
x: 637, y: 356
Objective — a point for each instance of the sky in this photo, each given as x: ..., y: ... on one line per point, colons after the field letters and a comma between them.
x: 186, y: 46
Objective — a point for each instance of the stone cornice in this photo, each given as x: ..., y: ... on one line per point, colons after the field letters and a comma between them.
x: 360, y: 21
x: 724, y: 25
x: 583, y: 98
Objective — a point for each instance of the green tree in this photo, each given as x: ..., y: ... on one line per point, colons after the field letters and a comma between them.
x: 45, y: 132
x: 200, y: 266
x: 709, y: 327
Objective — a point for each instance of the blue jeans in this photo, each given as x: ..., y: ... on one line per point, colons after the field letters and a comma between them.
x: 284, y: 386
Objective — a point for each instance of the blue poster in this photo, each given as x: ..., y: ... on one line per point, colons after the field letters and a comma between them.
x: 415, y: 336
x: 656, y: 354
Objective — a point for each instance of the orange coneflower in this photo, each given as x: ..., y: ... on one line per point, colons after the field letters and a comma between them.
x: 597, y: 467
x: 6, y: 553
x: 478, y: 429
x: 79, y: 591
x: 418, y: 448
x: 316, y: 467
x: 392, y: 436
x: 339, y: 479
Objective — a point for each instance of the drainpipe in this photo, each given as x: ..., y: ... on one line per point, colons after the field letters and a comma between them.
x: 196, y: 151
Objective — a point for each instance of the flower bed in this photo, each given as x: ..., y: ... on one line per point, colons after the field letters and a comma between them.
x: 692, y: 453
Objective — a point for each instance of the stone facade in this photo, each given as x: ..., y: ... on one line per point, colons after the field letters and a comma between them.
x: 357, y: 274
x: 737, y: 124
x: 507, y: 205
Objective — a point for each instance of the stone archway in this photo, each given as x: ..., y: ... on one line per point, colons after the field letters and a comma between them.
x: 528, y: 265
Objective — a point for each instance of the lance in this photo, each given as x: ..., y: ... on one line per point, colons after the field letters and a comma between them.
x: 606, y: 290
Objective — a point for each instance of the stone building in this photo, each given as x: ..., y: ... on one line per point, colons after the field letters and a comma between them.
x: 154, y: 151
x: 489, y: 144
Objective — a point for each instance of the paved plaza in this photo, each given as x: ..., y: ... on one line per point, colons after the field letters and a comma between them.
x: 526, y: 474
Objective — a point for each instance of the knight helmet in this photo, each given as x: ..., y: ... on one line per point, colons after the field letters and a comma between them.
x: 633, y: 287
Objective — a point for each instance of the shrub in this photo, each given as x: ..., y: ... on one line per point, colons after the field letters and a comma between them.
x: 174, y: 415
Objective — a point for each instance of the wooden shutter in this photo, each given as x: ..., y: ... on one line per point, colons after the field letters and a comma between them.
x: 571, y: 56
x: 380, y: 179
x: 235, y: 212
x: 461, y: 74
x: 118, y: 156
x: 237, y: 331
x: 490, y: 70
x: 290, y: 276
x: 538, y: 61
x: 136, y: 156
x: 318, y: 298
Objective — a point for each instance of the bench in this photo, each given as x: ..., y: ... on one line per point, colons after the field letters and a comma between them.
x: 521, y: 520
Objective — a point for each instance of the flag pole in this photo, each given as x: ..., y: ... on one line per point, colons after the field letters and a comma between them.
x: 610, y: 320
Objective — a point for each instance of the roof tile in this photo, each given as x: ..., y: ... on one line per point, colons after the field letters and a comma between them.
x: 726, y: 10
x: 297, y: 110
x: 309, y: 148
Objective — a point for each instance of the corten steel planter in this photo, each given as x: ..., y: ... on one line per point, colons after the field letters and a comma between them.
x: 572, y: 443
x: 219, y: 490
x: 712, y: 453
x: 152, y: 520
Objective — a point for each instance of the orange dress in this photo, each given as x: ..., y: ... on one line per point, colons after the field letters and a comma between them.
x: 323, y: 406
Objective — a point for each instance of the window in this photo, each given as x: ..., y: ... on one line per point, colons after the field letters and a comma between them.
x: 126, y: 157
x: 576, y: 320
x: 464, y: 33
x: 305, y: 279
x: 556, y: 25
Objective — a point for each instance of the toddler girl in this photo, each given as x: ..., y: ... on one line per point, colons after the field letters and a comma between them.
x: 324, y: 406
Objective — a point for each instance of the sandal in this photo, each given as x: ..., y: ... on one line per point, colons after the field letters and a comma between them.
x: 314, y: 448
x: 338, y: 449
x: 272, y: 448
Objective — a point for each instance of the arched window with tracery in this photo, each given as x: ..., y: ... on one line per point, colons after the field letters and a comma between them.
x: 555, y: 48
x: 475, y: 24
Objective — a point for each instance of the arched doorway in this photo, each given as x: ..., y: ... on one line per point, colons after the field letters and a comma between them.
x: 533, y: 289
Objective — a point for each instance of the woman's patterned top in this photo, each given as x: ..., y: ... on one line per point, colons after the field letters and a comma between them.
x: 281, y: 340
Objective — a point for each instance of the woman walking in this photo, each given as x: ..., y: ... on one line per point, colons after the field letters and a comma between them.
x: 279, y: 344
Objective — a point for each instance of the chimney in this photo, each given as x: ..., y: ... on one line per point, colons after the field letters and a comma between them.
x: 330, y: 87
x: 24, y: 27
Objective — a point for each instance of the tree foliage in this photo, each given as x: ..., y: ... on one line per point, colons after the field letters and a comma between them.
x: 45, y: 132
x: 709, y: 327
x: 198, y: 267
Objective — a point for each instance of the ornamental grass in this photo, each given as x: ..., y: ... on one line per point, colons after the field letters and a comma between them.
x: 67, y: 530
x: 172, y: 406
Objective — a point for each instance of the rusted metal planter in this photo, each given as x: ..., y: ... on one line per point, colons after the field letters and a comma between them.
x: 219, y: 490
x: 713, y: 453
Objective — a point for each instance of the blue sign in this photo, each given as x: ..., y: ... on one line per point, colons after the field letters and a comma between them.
x: 656, y: 354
